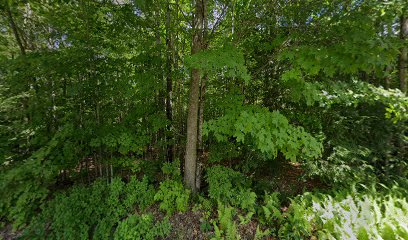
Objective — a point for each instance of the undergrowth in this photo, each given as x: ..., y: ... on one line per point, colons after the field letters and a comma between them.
x: 91, y: 212
x: 120, y: 210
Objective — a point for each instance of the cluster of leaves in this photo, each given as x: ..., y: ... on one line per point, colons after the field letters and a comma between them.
x: 352, y: 213
x: 309, y: 75
x: 140, y: 193
x: 12, y: 129
x: 89, y: 85
x: 299, y: 89
x: 227, y: 61
x: 123, y: 142
x: 90, y: 212
x: 270, y: 132
x: 172, y: 170
x: 358, y: 92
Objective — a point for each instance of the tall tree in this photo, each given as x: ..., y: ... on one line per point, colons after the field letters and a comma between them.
x: 202, y: 103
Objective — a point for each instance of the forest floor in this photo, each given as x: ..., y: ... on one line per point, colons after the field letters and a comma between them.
x: 289, y: 180
x: 7, y: 233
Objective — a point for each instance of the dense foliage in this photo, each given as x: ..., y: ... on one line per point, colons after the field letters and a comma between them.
x: 166, y: 119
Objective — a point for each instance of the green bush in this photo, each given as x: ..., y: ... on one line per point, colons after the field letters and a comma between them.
x: 172, y: 196
x: 230, y: 187
x: 141, y: 227
x: 140, y: 193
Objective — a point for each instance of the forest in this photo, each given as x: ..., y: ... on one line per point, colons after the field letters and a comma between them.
x: 203, y: 119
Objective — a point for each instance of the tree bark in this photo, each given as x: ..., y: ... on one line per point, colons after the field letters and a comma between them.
x: 200, y: 132
x: 190, y: 163
x: 201, y: 113
x: 403, y: 57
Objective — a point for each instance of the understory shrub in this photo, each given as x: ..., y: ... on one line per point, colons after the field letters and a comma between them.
x: 269, y: 213
x: 24, y: 184
x: 172, y: 196
x: 23, y: 189
x: 90, y: 212
x: 230, y: 187
x: 224, y: 226
x: 142, y: 227
x: 344, y: 165
x: 172, y: 170
x: 140, y: 193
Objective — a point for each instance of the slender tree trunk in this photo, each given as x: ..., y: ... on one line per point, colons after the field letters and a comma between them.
x: 15, y: 29
x: 181, y: 111
x: 23, y: 52
x: 403, y: 57
x: 169, y: 85
x: 388, y: 68
x: 178, y: 106
x: 387, y: 80
x: 158, y: 148
x: 190, y: 163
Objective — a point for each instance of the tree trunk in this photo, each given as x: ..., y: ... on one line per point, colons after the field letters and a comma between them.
x: 201, y: 113
x: 202, y: 103
x: 200, y: 132
x: 190, y: 163
x: 169, y: 86
x: 15, y: 29
x: 387, y: 80
x: 403, y: 57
